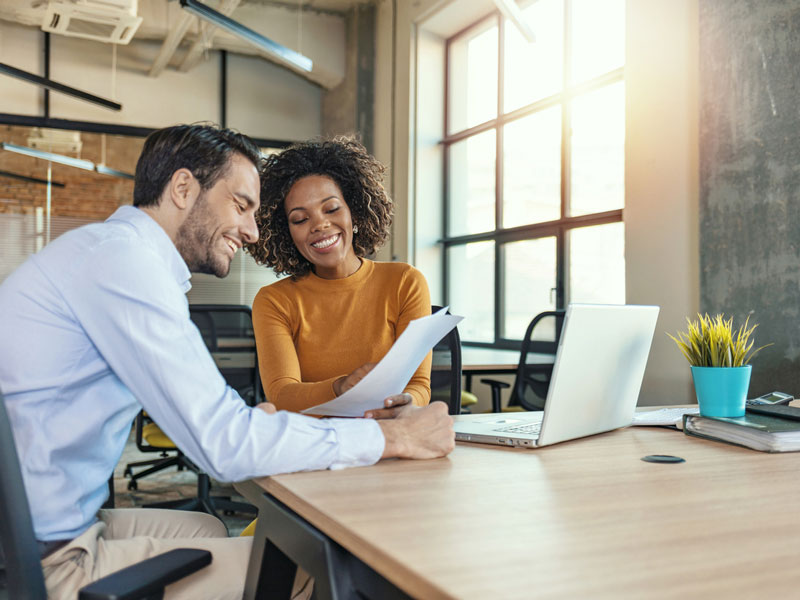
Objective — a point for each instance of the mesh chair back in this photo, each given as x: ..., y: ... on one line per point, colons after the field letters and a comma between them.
x: 446, y: 370
x: 20, y: 553
x: 227, y: 331
x: 533, y: 378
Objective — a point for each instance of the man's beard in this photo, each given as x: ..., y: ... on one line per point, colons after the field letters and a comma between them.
x: 195, y: 241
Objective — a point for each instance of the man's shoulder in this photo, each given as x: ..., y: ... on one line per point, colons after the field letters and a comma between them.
x: 83, y: 246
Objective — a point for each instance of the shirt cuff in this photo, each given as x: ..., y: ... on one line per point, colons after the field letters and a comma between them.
x: 361, y: 442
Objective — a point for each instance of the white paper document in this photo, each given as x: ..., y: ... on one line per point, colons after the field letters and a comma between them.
x: 391, y: 375
x: 664, y: 417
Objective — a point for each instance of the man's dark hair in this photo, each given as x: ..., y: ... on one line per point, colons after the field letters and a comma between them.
x: 205, y: 150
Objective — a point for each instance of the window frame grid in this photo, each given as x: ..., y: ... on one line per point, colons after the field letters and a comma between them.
x: 500, y: 235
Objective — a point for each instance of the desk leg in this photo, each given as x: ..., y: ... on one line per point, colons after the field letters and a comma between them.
x: 284, y: 540
x: 468, y: 382
x: 268, y: 560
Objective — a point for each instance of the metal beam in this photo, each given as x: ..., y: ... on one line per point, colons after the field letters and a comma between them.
x: 207, y: 33
x: 512, y: 12
x: 109, y: 128
x: 29, y: 179
x: 170, y: 44
x: 57, y: 87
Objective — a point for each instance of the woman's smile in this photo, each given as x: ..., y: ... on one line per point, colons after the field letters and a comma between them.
x: 326, y: 243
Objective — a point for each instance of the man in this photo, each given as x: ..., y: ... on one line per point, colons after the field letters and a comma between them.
x: 96, y: 326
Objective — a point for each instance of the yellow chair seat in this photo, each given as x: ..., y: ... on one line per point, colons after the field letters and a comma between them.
x: 152, y: 434
x: 250, y: 529
x: 468, y: 398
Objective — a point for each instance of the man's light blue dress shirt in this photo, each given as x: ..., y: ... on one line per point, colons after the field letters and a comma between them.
x: 95, y: 327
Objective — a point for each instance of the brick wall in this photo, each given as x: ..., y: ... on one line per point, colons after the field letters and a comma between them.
x: 86, y: 195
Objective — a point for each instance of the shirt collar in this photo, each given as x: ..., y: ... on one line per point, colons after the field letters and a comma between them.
x: 151, y: 230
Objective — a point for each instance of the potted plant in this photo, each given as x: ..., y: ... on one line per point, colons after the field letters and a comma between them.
x: 720, y: 359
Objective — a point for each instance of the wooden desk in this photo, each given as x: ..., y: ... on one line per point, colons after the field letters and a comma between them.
x: 582, y: 519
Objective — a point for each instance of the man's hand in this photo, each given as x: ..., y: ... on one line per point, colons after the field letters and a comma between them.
x: 394, y: 404
x: 416, y: 432
x: 341, y: 385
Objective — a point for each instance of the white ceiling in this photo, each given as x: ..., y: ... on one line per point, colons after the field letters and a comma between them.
x: 165, y: 22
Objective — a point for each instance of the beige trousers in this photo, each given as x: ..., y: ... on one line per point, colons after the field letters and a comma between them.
x: 126, y: 536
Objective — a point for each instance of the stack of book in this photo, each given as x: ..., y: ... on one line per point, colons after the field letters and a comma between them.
x: 765, y: 428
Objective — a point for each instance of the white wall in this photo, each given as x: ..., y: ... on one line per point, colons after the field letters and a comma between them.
x: 171, y: 98
x: 661, y: 161
x: 264, y: 100
x: 19, y: 48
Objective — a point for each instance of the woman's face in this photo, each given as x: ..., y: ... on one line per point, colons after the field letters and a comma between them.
x: 321, y: 226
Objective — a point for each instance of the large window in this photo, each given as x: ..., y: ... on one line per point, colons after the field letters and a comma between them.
x: 534, y: 166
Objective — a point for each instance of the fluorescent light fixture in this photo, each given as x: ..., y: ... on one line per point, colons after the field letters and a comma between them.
x: 78, y: 163
x: 58, y: 87
x: 104, y: 170
x: 274, y: 49
x: 512, y: 12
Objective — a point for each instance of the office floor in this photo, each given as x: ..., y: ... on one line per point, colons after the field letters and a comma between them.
x: 169, y: 484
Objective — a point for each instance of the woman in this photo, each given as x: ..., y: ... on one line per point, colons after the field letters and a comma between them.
x: 318, y: 332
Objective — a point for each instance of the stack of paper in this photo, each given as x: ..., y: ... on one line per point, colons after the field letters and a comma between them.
x: 663, y: 417
x: 759, y: 432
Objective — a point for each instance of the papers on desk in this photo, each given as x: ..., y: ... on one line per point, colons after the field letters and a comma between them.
x: 391, y: 375
x: 664, y: 417
x: 757, y: 431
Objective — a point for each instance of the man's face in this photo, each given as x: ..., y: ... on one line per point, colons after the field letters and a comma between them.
x: 221, y: 220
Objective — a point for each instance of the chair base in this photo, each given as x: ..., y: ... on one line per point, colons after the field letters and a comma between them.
x: 205, y: 502
x: 158, y: 464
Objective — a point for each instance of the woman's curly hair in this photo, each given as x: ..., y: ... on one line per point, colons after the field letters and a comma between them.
x: 358, y: 174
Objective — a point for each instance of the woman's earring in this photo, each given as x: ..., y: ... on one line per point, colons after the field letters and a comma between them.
x: 355, y: 229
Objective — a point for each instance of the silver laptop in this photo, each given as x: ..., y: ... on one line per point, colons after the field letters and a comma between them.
x: 597, y: 376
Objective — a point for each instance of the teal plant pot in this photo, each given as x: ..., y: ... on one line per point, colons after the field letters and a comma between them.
x: 721, y: 391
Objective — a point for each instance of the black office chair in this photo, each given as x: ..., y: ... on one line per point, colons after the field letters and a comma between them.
x: 532, y: 379
x: 446, y: 370
x: 20, y: 562
x: 227, y: 331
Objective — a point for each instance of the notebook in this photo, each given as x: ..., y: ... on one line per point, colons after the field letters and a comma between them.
x: 597, y: 375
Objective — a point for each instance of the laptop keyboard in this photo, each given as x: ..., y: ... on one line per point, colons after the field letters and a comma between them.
x: 529, y: 428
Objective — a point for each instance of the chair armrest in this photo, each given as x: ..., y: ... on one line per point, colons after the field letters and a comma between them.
x: 148, y: 577
x: 494, y: 383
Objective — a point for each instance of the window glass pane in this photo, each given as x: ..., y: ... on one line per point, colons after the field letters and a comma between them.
x: 534, y: 71
x: 598, y: 37
x: 472, y: 94
x: 470, y: 282
x: 597, y: 264
x: 598, y: 150
x: 532, y: 169
x: 530, y: 281
x: 471, y: 184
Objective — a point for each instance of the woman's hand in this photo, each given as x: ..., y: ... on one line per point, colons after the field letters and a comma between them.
x: 341, y: 385
x: 267, y: 407
x: 393, y: 405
